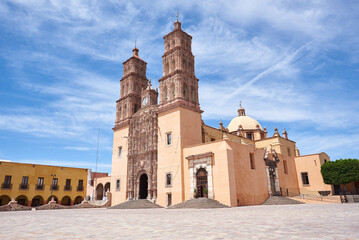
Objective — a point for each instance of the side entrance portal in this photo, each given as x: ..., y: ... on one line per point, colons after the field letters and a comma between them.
x: 202, y: 182
x: 143, y: 192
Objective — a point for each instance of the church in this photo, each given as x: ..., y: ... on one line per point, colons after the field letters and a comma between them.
x: 164, y: 152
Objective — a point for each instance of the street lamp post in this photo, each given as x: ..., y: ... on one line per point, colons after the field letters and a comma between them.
x: 52, y: 184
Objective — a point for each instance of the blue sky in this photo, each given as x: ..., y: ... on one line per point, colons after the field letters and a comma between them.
x: 293, y: 64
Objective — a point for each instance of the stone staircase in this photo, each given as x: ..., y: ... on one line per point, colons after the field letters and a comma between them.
x: 277, y: 200
x: 136, y: 204
x: 199, y: 203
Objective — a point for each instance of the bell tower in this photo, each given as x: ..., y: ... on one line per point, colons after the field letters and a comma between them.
x: 133, y: 82
x: 178, y: 85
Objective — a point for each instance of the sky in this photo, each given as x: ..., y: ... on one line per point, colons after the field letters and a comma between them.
x: 292, y: 64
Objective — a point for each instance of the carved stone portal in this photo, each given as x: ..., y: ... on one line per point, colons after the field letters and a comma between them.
x: 142, y: 155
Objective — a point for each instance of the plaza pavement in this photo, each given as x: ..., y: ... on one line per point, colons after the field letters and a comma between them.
x: 303, y: 221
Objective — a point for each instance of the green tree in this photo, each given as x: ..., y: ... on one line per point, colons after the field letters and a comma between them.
x: 341, y: 171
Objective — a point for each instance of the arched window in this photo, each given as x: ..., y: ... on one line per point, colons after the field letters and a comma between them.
x: 125, y: 111
x: 173, y: 65
x: 185, y: 92
x: 166, y: 68
x: 193, y: 97
x: 173, y: 91
x: 119, y: 113
x: 165, y: 94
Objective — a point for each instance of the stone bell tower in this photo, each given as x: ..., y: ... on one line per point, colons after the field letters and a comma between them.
x: 133, y: 82
x: 178, y: 85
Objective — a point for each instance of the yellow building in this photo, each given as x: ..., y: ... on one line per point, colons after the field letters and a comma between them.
x: 33, y: 184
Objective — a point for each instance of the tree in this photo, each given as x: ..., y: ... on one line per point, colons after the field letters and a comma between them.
x: 341, y: 171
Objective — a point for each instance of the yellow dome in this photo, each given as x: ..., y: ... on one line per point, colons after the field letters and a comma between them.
x: 247, y: 123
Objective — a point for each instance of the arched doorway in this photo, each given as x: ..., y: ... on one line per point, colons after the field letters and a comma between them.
x: 4, y: 199
x: 107, y: 187
x: 66, y: 201
x: 99, y: 192
x: 22, y: 200
x: 202, y: 183
x: 37, y: 201
x: 78, y: 200
x: 143, y: 186
x: 55, y: 199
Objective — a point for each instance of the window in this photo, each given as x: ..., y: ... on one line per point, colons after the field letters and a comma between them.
x: 40, y: 183
x: 305, y: 178
x: 7, y: 182
x: 169, y: 138
x: 315, y: 162
x: 169, y: 199
x: 325, y: 160
x: 262, y: 135
x: 249, y: 136
x: 213, y: 139
x: 68, y: 185
x: 251, y: 159
x: 118, y: 184
x: 54, y: 183
x: 80, y: 187
x: 119, y: 151
x: 24, y: 182
x: 168, y: 179
x: 289, y: 154
x: 285, y: 166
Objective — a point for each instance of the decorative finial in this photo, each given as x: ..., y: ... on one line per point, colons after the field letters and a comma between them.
x: 149, y: 82
x: 135, y: 43
x: 177, y: 16
x: 240, y: 103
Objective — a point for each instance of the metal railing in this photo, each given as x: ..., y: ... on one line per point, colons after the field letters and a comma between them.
x: 23, y: 186
x: 39, y: 187
x: 55, y: 187
x: 80, y: 188
x: 67, y: 188
x: 6, y: 185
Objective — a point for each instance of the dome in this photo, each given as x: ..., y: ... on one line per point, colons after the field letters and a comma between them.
x: 247, y: 123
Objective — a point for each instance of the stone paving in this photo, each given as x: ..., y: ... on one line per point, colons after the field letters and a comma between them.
x: 302, y: 221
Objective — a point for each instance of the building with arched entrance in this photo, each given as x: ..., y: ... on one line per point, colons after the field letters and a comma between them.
x: 34, y: 185
x: 164, y: 152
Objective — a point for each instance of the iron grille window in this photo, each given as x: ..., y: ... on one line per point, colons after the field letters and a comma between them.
x: 168, y: 179
x: 54, y: 185
x: 7, y: 182
x: 249, y: 136
x: 305, y: 178
x: 119, y: 151
x: 24, y: 182
x: 169, y: 138
x: 40, y: 183
x: 68, y: 185
x: 118, y: 184
x: 80, y: 187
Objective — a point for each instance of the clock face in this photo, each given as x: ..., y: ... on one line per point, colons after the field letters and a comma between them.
x: 144, y: 101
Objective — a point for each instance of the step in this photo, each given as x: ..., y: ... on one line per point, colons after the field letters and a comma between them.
x: 136, y: 204
x: 277, y: 200
x: 199, y: 203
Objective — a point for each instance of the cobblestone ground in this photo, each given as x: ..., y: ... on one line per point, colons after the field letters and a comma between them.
x: 304, y: 221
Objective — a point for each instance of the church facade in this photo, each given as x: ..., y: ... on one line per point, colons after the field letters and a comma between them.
x: 164, y: 152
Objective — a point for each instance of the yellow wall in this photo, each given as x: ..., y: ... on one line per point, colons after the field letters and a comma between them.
x: 311, y: 164
x: 34, y: 171
x: 119, y: 165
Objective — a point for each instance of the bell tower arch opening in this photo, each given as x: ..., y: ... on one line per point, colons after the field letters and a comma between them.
x: 143, y: 188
